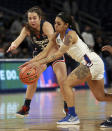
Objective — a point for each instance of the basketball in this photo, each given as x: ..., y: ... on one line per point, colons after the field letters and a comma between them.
x: 29, y: 75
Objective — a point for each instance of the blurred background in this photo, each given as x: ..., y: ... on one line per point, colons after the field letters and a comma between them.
x: 93, y: 22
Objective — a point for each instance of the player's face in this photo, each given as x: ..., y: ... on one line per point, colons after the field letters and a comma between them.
x: 60, y: 25
x: 33, y: 19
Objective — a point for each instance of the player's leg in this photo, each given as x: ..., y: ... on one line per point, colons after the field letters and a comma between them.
x: 61, y: 74
x: 24, y: 111
x: 97, y: 87
x: 77, y: 76
x: 31, y: 89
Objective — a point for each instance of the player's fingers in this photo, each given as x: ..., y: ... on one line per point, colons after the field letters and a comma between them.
x: 20, y: 67
x: 9, y: 49
x: 23, y: 65
x: 105, y: 48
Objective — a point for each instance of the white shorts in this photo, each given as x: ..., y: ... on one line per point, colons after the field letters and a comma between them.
x: 97, y: 67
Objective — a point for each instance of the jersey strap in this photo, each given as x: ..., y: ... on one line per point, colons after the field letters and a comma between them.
x: 66, y: 32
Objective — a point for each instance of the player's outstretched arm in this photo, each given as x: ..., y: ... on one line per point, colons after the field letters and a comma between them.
x: 18, y: 40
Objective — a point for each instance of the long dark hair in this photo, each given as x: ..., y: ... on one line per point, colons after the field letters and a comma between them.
x: 39, y: 12
x: 70, y: 20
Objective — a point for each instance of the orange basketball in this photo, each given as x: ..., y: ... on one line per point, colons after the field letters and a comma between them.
x: 29, y: 75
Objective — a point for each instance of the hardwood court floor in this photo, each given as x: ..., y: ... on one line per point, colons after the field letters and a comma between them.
x: 46, y: 110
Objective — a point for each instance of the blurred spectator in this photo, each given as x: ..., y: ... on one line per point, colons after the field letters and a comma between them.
x: 26, y: 53
x: 98, y: 45
x: 88, y: 37
x: 70, y: 7
x: 1, y: 20
x: 15, y: 28
x: 1, y: 53
x: 2, y: 49
x: 2, y: 28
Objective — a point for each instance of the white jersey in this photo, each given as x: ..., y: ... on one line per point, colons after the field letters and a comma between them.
x: 81, y: 53
x: 77, y: 50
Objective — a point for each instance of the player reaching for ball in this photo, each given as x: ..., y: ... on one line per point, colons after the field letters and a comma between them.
x: 40, y: 32
x: 91, y: 68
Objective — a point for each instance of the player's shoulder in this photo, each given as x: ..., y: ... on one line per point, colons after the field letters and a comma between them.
x: 72, y: 32
x: 47, y: 26
x: 73, y: 35
x: 47, y: 23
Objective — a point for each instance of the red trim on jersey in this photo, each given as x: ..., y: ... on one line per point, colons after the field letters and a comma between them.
x: 58, y: 61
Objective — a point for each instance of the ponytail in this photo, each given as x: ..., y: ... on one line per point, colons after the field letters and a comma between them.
x: 71, y: 22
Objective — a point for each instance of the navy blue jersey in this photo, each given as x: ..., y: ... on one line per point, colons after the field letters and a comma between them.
x: 39, y: 40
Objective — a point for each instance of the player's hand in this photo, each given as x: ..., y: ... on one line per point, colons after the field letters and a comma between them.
x: 23, y: 65
x: 107, y: 48
x: 40, y: 67
x: 34, y: 65
x: 12, y: 47
x: 29, y: 64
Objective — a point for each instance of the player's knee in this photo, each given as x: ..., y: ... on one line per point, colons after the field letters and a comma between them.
x: 67, y: 85
x: 61, y: 90
x: 61, y: 83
